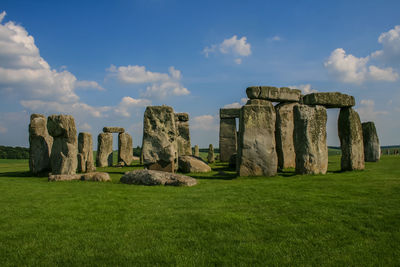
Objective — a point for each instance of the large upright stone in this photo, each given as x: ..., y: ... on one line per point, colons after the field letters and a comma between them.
x: 85, y: 153
x: 160, y: 146
x: 210, y: 156
x: 310, y: 139
x: 64, y: 153
x: 257, y: 151
x: 284, y: 135
x: 196, y: 151
x: 275, y: 94
x: 125, y: 148
x: 40, y: 143
x: 351, y: 140
x: 104, y: 157
x: 329, y: 100
x: 183, y: 138
x: 372, y: 149
x: 227, y: 132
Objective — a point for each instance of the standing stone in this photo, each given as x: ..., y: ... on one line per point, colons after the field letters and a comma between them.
x: 64, y: 152
x: 183, y: 138
x: 227, y: 132
x: 210, y: 156
x: 284, y: 135
x: 40, y: 143
x: 257, y: 152
x: 125, y: 148
x: 351, y: 140
x: 310, y: 139
x: 372, y: 149
x: 85, y: 153
x: 104, y: 156
x: 196, y: 151
x: 160, y: 146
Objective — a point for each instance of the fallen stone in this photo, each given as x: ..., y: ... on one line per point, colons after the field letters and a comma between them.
x: 192, y: 164
x: 210, y: 156
x: 90, y: 176
x: 229, y: 113
x: 284, y: 135
x: 40, y: 144
x: 310, y: 139
x: 160, y: 146
x: 113, y: 130
x: 151, y: 177
x: 85, y: 153
x: 372, y: 149
x: 64, y: 152
x: 125, y: 148
x: 104, y: 157
x: 183, y: 134
x: 257, y: 152
x: 351, y: 140
x: 227, y: 138
x: 274, y: 94
x: 329, y: 100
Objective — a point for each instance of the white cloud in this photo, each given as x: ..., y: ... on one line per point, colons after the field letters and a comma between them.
x: 351, y: 69
x: 367, y: 111
x: 160, y: 85
x: 89, y: 85
x: 204, y: 122
x: 305, y: 88
x: 2, y: 15
x: 84, y: 127
x: 238, y: 48
x: 128, y: 103
x: 275, y: 38
x: 237, y: 104
x: 391, y: 46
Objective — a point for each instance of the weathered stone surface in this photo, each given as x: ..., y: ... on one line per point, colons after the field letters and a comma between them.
x: 372, y: 149
x: 40, y: 143
x: 351, y: 140
x: 329, y: 100
x: 160, y: 146
x: 183, y: 138
x: 192, y: 164
x: 257, y: 152
x: 64, y: 152
x: 310, y: 139
x: 90, y: 176
x: 104, y: 157
x: 113, y: 130
x: 229, y: 113
x: 151, y: 177
x: 275, y: 94
x: 210, y: 156
x: 227, y: 138
x: 125, y: 148
x: 85, y: 153
x: 196, y: 151
x: 284, y: 135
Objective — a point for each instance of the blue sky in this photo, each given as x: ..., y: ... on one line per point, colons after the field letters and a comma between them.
x: 105, y: 61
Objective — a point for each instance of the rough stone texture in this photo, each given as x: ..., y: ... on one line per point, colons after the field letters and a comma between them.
x: 372, y: 149
x: 210, y: 156
x: 104, y: 157
x: 85, y: 153
x: 125, y: 148
x: 160, y: 146
x: 196, y: 151
x: 113, y: 130
x: 310, y: 139
x: 151, y: 177
x: 284, y: 135
x: 64, y: 152
x: 192, y: 164
x: 40, y: 143
x: 351, y: 140
x: 183, y: 138
x: 90, y: 176
x: 227, y: 138
x: 257, y: 152
x: 329, y: 100
x: 229, y: 113
x: 275, y: 94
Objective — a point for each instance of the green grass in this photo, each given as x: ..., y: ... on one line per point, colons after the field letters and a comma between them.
x: 338, y: 219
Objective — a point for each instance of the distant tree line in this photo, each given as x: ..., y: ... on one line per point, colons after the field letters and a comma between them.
x: 9, y: 152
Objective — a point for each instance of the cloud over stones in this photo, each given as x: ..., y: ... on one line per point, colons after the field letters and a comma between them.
x: 158, y: 85
x: 367, y: 110
x: 238, y: 48
x: 127, y: 103
x: 205, y: 122
x: 390, y: 41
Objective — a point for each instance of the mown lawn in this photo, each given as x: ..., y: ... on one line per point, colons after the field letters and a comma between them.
x: 345, y: 219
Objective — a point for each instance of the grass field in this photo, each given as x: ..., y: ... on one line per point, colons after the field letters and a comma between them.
x: 338, y: 219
